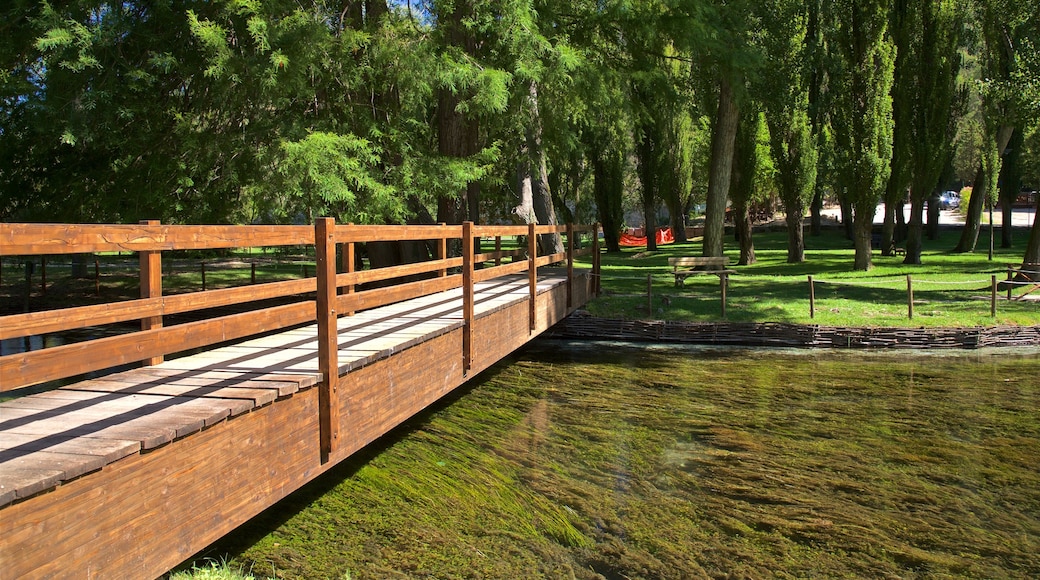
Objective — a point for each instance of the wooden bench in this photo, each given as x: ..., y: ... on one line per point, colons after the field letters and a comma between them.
x: 683, y: 268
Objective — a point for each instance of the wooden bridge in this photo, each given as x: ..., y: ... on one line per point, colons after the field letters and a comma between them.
x: 129, y: 474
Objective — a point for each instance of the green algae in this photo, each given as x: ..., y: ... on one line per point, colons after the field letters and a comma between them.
x: 613, y: 461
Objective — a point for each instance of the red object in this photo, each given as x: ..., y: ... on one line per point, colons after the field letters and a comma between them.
x: 664, y: 236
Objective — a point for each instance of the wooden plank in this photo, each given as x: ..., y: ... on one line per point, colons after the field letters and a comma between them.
x: 36, y: 239
x: 383, y: 296
x: 354, y: 233
x: 392, y: 272
x: 173, y: 371
x: 48, y: 321
x: 108, y: 449
x: 18, y: 483
x: 247, y: 391
x: 492, y: 231
x: 25, y: 369
x: 179, y: 303
x: 500, y: 271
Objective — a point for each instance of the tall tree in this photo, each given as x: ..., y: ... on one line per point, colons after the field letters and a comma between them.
x: 787, y: 114
x: 934, y: 101
x: 862, y: 109
x: 1004, y: 24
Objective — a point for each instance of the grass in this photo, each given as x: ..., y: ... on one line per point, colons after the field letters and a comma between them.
x: 950, y: 290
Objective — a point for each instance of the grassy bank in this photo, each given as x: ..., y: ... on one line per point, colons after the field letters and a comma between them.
x: 948, y: 289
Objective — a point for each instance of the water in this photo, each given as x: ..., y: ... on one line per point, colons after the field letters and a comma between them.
x: 620, y: 461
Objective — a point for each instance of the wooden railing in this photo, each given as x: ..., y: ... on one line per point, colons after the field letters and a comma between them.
x: 322, y: 298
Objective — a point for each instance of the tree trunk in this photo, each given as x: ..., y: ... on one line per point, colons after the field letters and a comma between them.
x: 980, y: 193
x: 816, y: 211
x: 1032, y: 255
x: 915, y: 232
x: 647, y: 148
x: 863, y: 220
x: 723, y: 138
x: 744, y: 231
x: 888, y: 229
x: 846, y: 216
x: 1010, y: 185
x: 607, y: 184
x: 795, y: 237
x: 536, y: 205
x: 932, y: 231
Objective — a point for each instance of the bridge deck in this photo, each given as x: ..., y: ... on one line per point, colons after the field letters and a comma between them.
x: 49, y: 438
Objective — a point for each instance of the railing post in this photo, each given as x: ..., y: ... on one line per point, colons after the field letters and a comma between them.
x: 993, y: 295
x: 595, y: 260
x: 498, y: 250
x: 347, y: 266
x: 442, y: 251
x: 532, y: 273
x: 151, y: 287
x: 570, y: 266
x: 328, y: 343
x: 467, y: 296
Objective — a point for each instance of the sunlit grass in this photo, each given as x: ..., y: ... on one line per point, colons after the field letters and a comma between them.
x: 952, y: 290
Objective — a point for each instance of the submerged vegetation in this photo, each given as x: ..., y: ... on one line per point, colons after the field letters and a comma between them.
x: 669, y: 463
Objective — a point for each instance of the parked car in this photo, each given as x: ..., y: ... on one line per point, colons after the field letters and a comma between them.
x: 949, y: 200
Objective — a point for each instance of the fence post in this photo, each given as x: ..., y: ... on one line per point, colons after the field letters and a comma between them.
x: 442, y: 249
x: 532, y: 274
x: 723, y: 284
x: 570, y: 266
x: 595, y: 260
x: 812, y: 298
x: 328, y: 343
x: 993, y: 296
x: 498, y: 251
x: 252, y: 273
x: 910, y: 297
x: 349, y: 267
x: 467, y: 297
x: 1009, y: 280
x: 151, y: 287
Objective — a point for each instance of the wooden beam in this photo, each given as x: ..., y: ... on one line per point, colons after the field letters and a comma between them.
x: 151, y: 287
x: 31, y: 368
x: 570, y: 264
x: 532, y: 273
x: 36, y: 239
x: 467, y: 296
x: 328, y: 339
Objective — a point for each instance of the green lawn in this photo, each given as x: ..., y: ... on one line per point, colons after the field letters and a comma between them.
x: 949, y: 289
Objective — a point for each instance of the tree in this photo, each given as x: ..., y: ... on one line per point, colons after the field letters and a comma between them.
x: 745, y: 183
x: 1003, y: 24
x: 792, y: 144
x: 933, y: 101
x: 862, y: 109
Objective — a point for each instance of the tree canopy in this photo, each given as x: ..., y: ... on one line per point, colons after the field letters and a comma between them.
x: 626, y: 112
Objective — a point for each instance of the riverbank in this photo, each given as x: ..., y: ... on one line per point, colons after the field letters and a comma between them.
x: 582, y: 325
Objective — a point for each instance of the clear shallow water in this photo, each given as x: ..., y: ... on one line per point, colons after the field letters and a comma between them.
x: 608, y: 460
